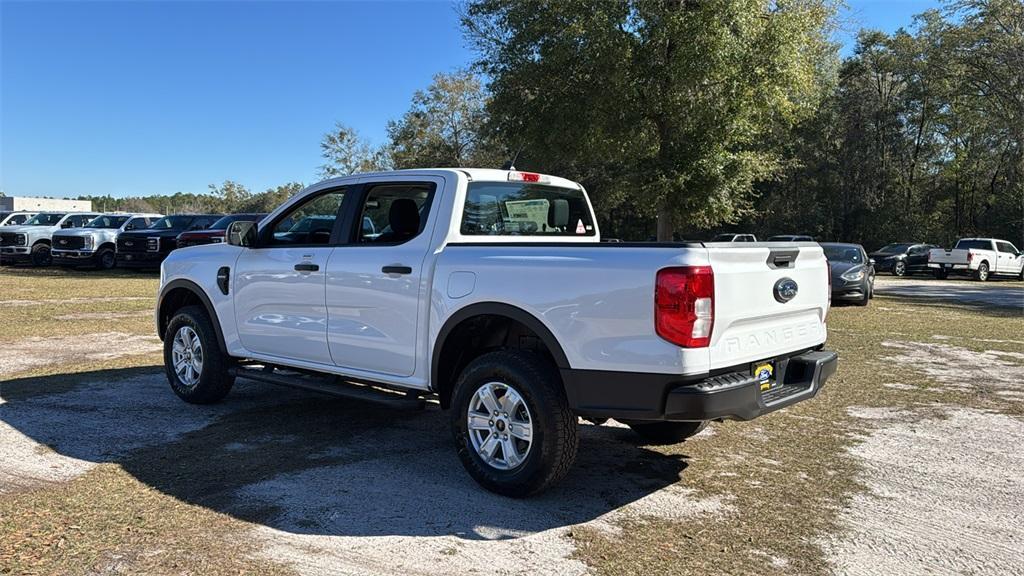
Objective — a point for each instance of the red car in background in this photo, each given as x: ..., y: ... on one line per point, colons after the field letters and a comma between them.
x: 215, y: 233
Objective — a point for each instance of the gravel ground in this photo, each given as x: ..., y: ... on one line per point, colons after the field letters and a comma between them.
x: 1001, y: 293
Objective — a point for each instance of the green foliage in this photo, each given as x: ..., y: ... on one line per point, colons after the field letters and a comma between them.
x: 921, y: 140
x: 445, y: 127
x: 659, y: 107
x: 347, y: 153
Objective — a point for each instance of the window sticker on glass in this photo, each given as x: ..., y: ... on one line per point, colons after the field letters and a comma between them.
x: 529, y: 211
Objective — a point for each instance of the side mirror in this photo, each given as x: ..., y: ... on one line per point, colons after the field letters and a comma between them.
x: 67, y: 224
x: 871, y: 261
x: 242, y: 234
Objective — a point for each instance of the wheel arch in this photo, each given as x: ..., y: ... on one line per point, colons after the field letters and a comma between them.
x: 180, y: 293
x: 451, y: 353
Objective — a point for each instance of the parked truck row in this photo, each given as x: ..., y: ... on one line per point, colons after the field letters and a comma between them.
x: 136, y: 240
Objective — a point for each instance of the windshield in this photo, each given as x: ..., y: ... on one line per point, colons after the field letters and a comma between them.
x: 843, y: 254
x: 894, y: 248
x: 107, y: 222
x: 223, y: 223
x: 975, y: 244
x: 44, y: 220
x: 520, y: 209
x: 172, y: 222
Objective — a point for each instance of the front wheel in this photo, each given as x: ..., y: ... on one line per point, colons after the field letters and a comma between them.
x: 196, y: 367
x: 106, y: 259
x: 513, y: 428
x: 41, y: 255
x: 900, y: 268
x: 981, y: 274
x: 666, y: 432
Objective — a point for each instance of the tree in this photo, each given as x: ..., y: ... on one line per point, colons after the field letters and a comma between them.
x: 347, y: 153
x: 445, y: 126
x: 661, y: 106
x: 231, y: 194
x: 270, y: 199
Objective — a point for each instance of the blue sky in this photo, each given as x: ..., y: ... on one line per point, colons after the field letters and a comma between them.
x: 158, y: 97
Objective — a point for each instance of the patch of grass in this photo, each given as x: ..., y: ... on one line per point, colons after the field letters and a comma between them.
x: 106, y: 521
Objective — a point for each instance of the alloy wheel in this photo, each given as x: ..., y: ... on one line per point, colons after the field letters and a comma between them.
x: 500, y: 426
x: 187, y: 356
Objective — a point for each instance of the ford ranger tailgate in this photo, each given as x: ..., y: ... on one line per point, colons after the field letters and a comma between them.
x: 770, y: 299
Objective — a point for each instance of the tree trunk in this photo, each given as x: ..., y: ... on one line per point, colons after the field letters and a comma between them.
x: 665, y: 225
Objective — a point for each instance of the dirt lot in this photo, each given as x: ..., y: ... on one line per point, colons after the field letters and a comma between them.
x: 909, y: 461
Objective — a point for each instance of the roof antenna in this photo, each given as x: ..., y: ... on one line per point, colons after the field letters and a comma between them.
x: 511, y: 164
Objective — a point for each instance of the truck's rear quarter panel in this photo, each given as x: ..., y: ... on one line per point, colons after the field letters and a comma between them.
x: 596, y: 299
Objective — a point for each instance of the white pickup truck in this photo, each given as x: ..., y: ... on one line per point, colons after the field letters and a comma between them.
x: 978, y: 257
x: 491, y: 292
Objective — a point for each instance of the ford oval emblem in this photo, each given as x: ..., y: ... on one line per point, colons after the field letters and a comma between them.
x: 785, y: 290
x: 129, y: 243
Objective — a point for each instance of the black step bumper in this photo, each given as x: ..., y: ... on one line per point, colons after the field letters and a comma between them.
x: 731, y: 394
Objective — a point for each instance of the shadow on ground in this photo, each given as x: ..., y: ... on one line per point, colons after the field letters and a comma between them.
x: 307, y: 464
x: 29, y: 271
x: 1004, y: 299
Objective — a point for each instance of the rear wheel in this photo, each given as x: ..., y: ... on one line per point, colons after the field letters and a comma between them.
x: 513, y: 428
x: 941, y: 273
x: 981, y: 274
x: 41, y: 255
x: 196, y: 368
x: 666, y: 432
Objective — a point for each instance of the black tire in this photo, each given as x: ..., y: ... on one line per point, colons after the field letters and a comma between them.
x: 982, y: 273
x: 899, y: 268
x: 105, y: 259
x: 941, y: 273
x: 554, y: 436
x: 215, y: 380
x: 666, y: 432
x: 41, y: 255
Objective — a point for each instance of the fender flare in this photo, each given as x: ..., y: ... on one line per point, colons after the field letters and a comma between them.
x: 494, y: 309
x: 199, y: 293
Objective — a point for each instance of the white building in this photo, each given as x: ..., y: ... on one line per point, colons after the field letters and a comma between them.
x: 16, y: 203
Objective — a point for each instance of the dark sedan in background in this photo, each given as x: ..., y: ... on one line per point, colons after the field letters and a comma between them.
x: 853, y: 273
x: 215, y: 233
x: 902, y: 258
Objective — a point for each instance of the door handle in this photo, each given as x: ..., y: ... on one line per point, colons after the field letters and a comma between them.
x: 307, y: 267
x: 396, y: 270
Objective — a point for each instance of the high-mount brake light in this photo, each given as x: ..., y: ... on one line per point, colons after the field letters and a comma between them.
x: 684, y: 305
x: 515, y: 176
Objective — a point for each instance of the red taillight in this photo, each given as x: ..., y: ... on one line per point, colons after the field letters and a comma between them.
x: 969, y: 256
x: 684, y: 305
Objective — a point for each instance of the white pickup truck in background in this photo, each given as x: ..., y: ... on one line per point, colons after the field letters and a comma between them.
x: 978, y: 257
x: 491, y: 292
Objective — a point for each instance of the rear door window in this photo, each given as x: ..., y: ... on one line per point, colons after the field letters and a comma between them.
x: 394, y: 213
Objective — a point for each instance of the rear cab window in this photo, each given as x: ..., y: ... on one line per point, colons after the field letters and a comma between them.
x: 525, y: 209
x: 973, y: 245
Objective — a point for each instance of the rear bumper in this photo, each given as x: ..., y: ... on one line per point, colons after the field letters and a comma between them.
x: 734, y: 394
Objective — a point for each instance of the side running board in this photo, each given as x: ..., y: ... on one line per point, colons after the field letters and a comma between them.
x: 331, y: 385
